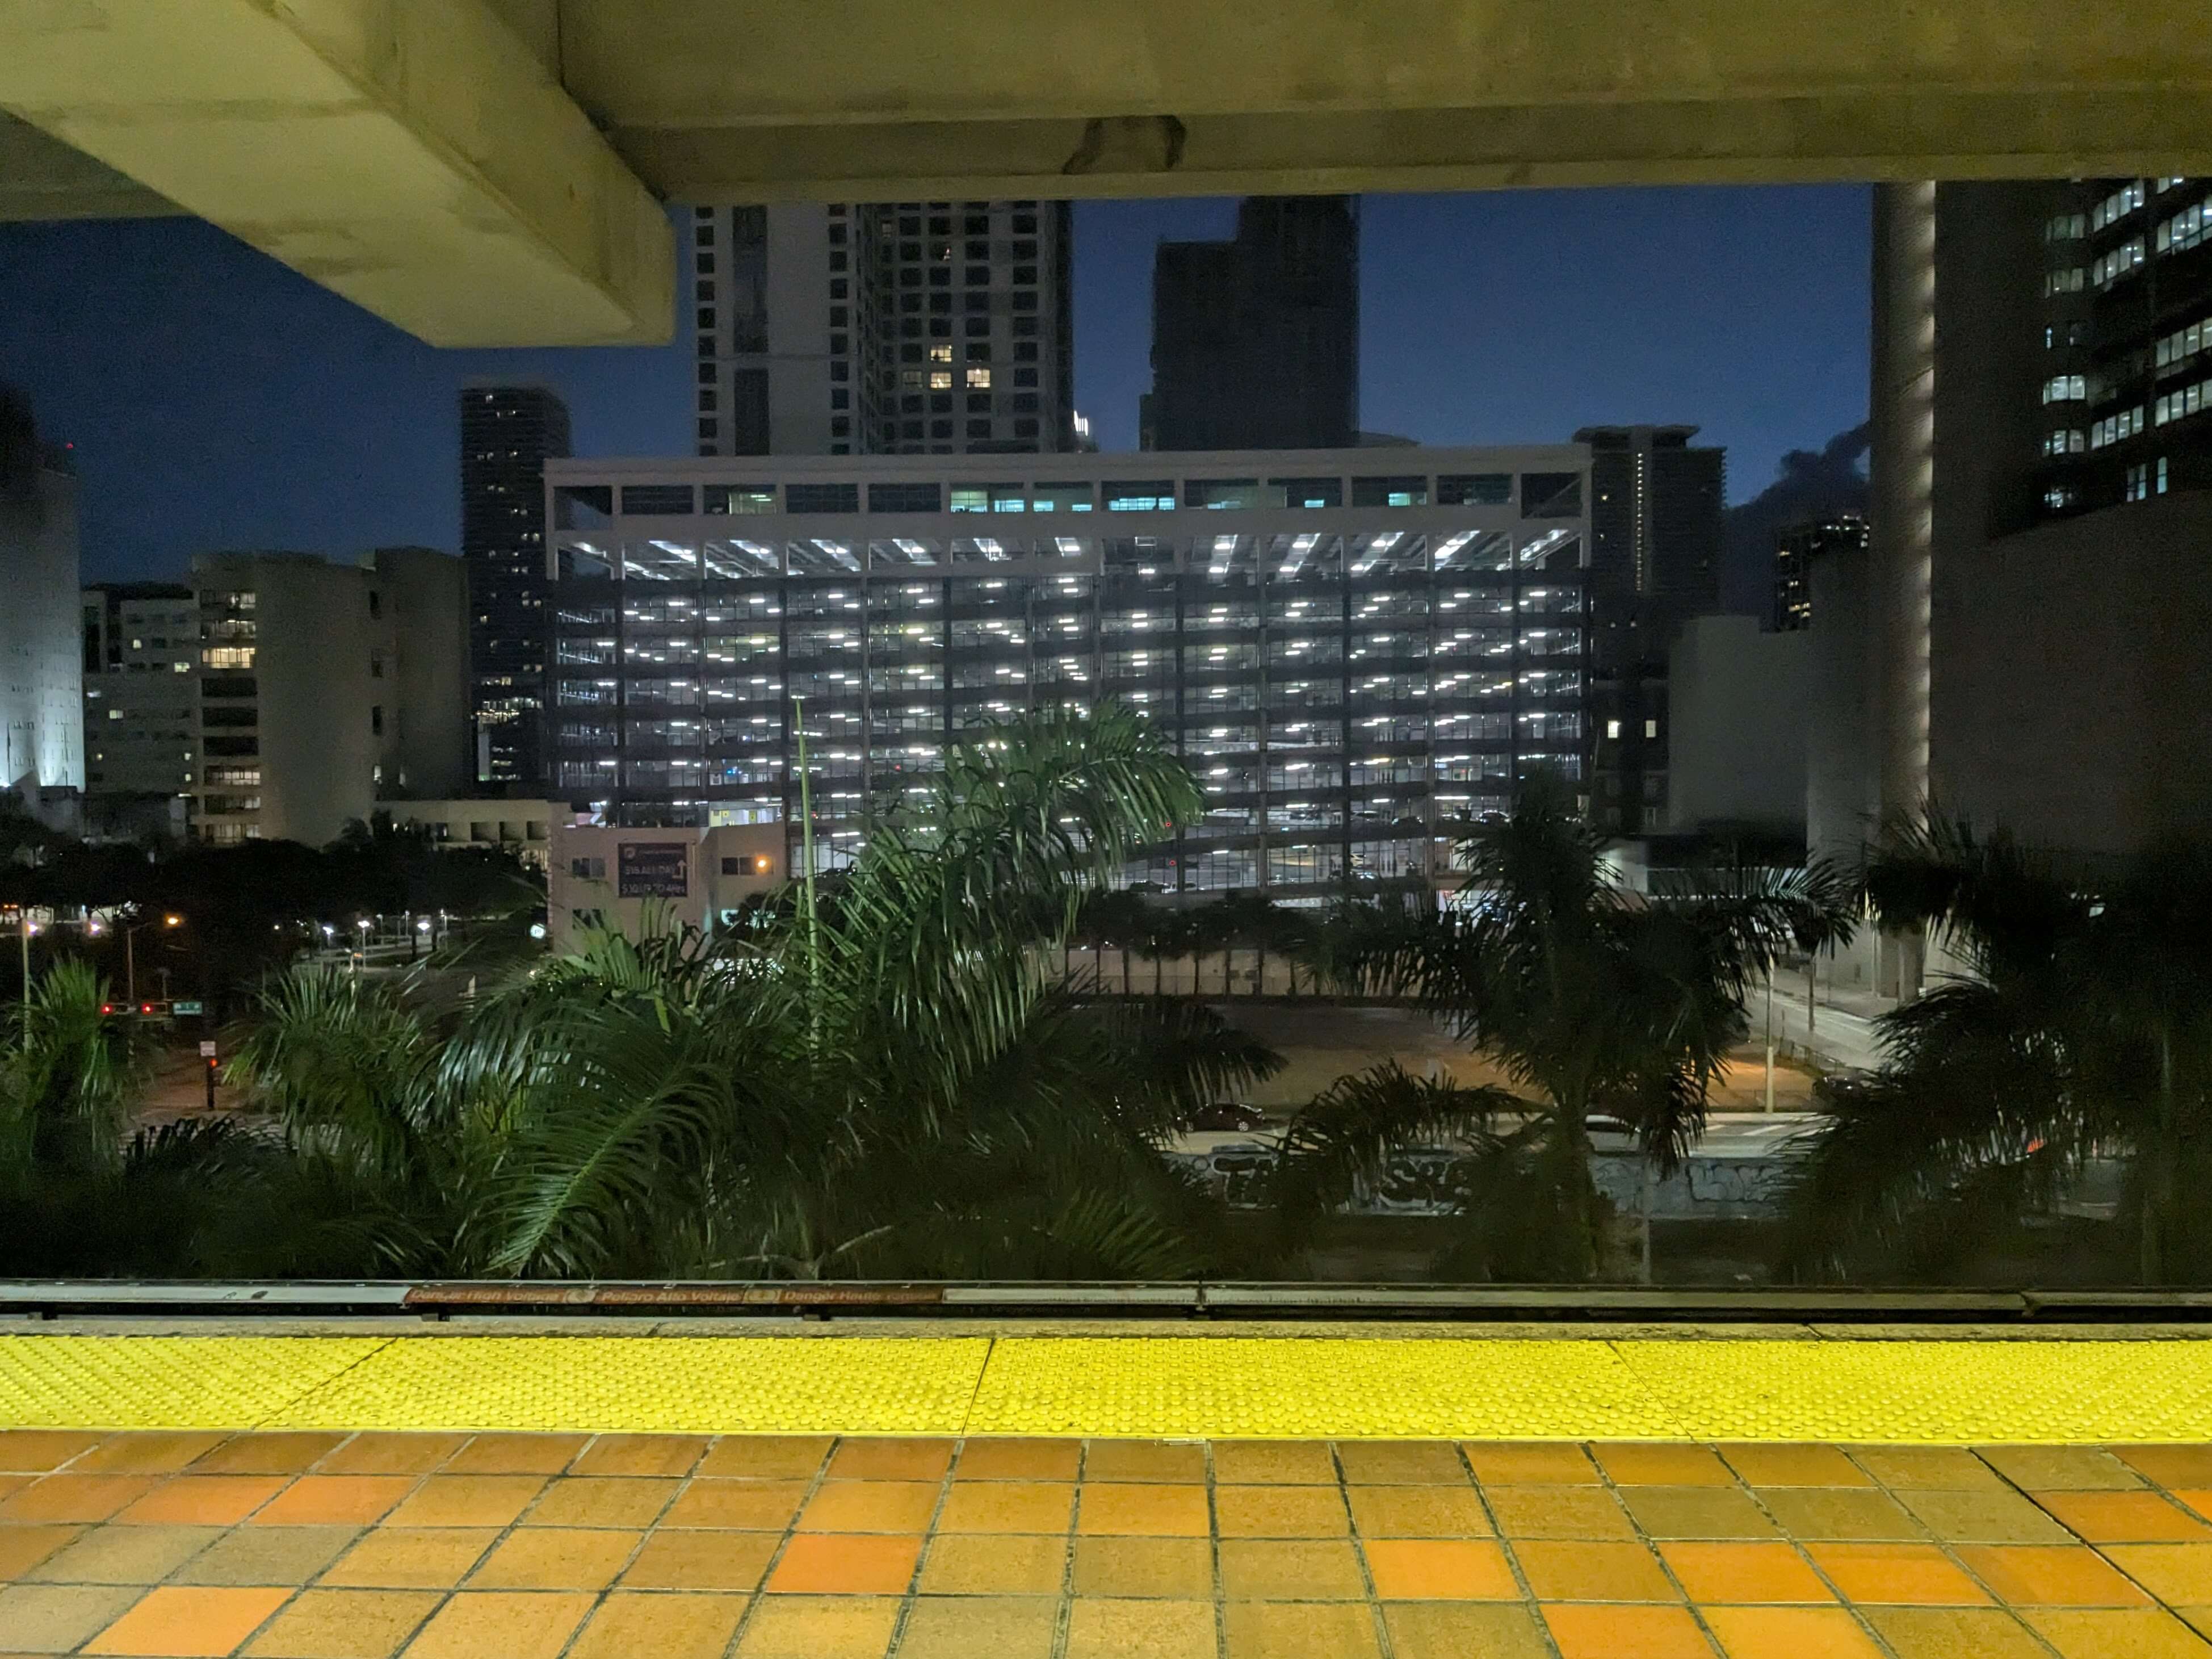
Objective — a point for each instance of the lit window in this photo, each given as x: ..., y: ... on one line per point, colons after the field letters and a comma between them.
x: 1612, y: 728
x: 1651, y: 728
x: 2158, y: 487
x: 941, y: 380
x: 979, y: 379
x: 940, y: 354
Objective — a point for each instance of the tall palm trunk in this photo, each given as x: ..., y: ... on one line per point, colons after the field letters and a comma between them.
x: 2158, y: 1182
x: 1574, y: 1140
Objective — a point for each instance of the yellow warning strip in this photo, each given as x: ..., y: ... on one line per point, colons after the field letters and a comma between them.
x: 1937, y: 1392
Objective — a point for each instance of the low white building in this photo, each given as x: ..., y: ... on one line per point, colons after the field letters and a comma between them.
x: 524, y: 827
x: 603, y: 875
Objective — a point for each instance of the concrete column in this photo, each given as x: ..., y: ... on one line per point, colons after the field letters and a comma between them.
x: 421, y: 158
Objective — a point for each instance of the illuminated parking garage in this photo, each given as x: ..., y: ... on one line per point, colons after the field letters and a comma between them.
x: 1357, y: 652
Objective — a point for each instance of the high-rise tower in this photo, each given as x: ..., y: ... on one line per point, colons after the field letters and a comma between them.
x: 1255, y: 340
x: 507, y: 434
x: 883, y: 328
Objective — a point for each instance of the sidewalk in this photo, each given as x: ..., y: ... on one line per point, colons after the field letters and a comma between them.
x: 1840, y: 1035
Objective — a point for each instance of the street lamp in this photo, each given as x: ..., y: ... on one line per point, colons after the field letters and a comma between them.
x: 24, y: 928
x: 168, y: 919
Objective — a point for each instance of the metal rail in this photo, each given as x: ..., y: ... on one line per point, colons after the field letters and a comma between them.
x: 1194, y: 1300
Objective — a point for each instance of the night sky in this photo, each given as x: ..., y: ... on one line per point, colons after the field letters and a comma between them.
x: 214, y: 399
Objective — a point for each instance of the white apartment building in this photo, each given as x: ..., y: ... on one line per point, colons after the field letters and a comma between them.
x: 883, y: 328
x: 325, y: 688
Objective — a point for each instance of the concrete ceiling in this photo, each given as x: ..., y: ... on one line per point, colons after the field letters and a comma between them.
x: 484, y: 172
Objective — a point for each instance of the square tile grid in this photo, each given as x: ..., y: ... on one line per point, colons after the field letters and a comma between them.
x: 399, y: 1546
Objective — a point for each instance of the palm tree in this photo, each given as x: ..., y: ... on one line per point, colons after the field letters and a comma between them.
x: 1589, y: 997
x: 81, y: 1193
x: 881, y: 1077
x: 2079, y: 1029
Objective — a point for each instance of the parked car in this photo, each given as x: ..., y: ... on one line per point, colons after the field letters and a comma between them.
x: 1227, y: 1116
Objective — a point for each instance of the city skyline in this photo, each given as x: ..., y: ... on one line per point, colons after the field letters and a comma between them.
x: 214, y: 399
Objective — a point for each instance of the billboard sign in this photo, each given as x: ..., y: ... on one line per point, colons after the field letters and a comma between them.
x: 654, y: 869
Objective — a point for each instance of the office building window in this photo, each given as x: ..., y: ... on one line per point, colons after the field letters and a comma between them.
x: 2115, y: 428
x: 740, y: 498
x: 1059, y: 498
x: 657, y: 498
x: 2186, y: 401
x: 2116, y: 206
x: 822, y: 498
x: 2065, y: 388
x: 2178, y: 348
x: 2108, y: 268
x: 1305, y: 492
x: 1220, y: 494
x: 906, y: 497
x: 2186, y: 228
x: 1475, y: 489
x: 1390, y: 491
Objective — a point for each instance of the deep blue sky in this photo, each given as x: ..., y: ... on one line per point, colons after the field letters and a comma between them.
x: 215, y: 399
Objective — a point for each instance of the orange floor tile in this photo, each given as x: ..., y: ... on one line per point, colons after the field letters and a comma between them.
x: 392, y: 1547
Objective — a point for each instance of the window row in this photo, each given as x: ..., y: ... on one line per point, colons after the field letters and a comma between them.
x: 2114, y: 428
x: 2186, y: 228
x: 2178, y: 348
x: 1228, y: 561
x: 2180, y: 404
x: 1541, y: 494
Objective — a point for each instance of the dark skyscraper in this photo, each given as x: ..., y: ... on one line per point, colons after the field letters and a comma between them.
x: 1256, y: 342
x: 1656, y: 519
x: 1796, y: 547
x: 508, y: 433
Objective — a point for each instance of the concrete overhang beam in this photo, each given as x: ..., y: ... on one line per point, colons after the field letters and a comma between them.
x: 418, y: 158
x: 1797, y: 141
x: 978, y: 98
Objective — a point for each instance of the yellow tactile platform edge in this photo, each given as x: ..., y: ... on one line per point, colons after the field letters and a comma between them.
x: 1903, y: 1392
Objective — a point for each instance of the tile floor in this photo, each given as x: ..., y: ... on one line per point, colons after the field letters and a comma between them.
x: 453, y: 1547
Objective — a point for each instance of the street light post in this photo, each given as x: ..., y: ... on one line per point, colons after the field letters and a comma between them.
x: 23, y: 931
x: 169, y: 919
x: 1770, y: 1036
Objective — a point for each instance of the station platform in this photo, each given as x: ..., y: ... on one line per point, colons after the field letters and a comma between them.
x: 1423, y: 1492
